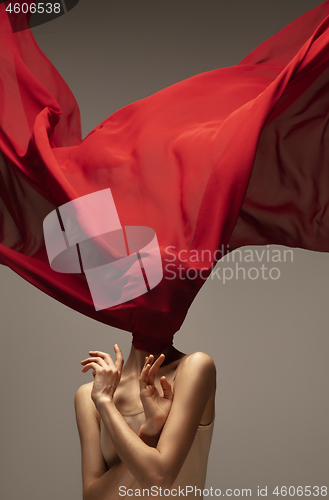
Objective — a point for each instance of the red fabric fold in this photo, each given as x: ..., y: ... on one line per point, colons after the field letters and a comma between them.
x: 235, y: 156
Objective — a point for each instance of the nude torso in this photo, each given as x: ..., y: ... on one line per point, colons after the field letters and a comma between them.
x: 127, y: 394
x: 127, y: 401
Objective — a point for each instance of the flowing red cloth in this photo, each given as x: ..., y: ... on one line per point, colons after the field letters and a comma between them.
x: 235, y: 156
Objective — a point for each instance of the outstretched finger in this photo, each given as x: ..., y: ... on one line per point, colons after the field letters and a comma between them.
x: 119, y: 358
x: 149, y: 359
x: 143, y: 378
x: 96, y: 359
x: 104, y: 355
x: 89, y: 366
x: 155, y: 367
x: 166, y: 387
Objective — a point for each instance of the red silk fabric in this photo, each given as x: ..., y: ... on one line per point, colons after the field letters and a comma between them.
x: 235, y: 156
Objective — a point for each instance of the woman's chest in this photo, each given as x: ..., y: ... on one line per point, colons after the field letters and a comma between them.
x: 134, y: 420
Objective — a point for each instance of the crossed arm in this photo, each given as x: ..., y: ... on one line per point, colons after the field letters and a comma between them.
x: 150, y: 461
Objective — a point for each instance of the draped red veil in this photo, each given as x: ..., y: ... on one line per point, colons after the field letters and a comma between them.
x: 235, y: 156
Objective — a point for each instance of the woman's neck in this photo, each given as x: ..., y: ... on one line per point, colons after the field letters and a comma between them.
x: 136, y: 359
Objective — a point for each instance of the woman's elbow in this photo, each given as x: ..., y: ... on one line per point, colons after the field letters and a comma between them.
x: 159, y: 477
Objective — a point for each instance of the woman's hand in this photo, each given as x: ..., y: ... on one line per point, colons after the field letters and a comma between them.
x: 156, y: 407
x: 107, y: 374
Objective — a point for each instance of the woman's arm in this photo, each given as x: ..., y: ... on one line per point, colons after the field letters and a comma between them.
x: 194, y: 387
x: 99, y: 483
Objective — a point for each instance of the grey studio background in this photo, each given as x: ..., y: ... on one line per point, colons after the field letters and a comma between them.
x: 269, y: 338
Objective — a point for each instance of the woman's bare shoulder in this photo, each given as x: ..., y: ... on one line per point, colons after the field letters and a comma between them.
x: 83, y: 392
x: 198, y: 364
x: 196, y: 374
x: 83, y: 402
x: 198, y: 361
